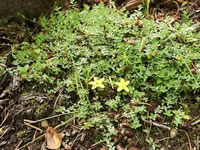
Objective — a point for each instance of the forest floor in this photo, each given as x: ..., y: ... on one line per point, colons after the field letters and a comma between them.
x: 25, y: 113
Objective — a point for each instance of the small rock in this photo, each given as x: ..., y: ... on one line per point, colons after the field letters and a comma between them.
x: 3, y: 143
x: 67, y: 134
x: 173, y: 133
x: 44, y: 124
x: 162, y: 148
x: 74, y: 132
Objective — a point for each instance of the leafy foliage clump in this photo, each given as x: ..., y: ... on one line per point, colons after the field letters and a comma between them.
x: 159, y: 60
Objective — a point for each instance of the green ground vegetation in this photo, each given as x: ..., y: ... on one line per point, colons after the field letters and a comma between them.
x: 114, y: 62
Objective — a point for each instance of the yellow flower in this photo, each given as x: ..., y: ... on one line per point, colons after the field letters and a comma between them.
x: 122, y: 85
x: 179, y: 58
x: 97, y: 83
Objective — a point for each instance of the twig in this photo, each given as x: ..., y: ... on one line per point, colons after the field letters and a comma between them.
x: 2, y: 101
x: 39, y: 137
x: 75, y: 140
x: 34, y: 135
x: 31, y: 121
x: 3, y: 65
x: 165, y: 138
x: 27, y: 124
x: 5, y: 118
x: 194, y: 119
x: 111, y: 82
x: 148, y: 133
x: 73, y: 126
x: 198, y: 142
x: 20, y: 142
x: 65, y: 122
x: 190, y: 145
x: 142, y: 103
x: 61, y: 90
x: 11, y: 122
x: 95, y: 144
x: 158, y: 125
x: 5, y: 131
x: 196, y: 122
x: 82, y: 147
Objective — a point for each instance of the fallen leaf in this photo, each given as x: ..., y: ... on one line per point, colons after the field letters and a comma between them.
x: 53, y: 139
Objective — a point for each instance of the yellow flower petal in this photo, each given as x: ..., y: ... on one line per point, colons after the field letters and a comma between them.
x: 126, y: 89
x: 122, y: 85
x: 96, y: 78
x: 119, y: 89
x: 97, y: 83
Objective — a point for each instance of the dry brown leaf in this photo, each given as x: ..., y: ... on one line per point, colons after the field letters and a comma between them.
x: 53, y: 139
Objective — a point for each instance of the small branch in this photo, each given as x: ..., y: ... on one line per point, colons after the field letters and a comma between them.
x: 31, y: 121
x: 198, y: 142
x: 5, y: 118
x: 39, y: 137
x: 190, y: 145
x: 111, y: 82
x: 166, y: 138
x: 195, y: 122
x: 5, y: 131
x: 64, y: 123
x: 34, y: 127
x: 20, y: 142
x: 75, y: 140
x: 95, y: 144
x: 3, y: 65
x: 158, y: 125
x: 58, y: 98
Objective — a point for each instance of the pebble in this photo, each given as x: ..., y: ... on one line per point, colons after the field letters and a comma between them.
x: 44, y: 124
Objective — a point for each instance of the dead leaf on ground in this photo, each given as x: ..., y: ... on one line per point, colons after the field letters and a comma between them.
x: 53, y: 139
